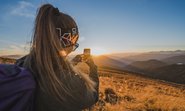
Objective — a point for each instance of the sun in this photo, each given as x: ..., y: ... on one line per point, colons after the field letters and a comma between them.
x: 98, y: 51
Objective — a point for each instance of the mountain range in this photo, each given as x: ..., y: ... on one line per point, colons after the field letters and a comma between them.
x: 165, y: 65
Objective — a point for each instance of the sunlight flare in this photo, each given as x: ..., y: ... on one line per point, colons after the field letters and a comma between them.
x: 97, y: 51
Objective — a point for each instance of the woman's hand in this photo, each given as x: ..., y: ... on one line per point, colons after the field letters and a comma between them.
x: 81, y: 58
x: 77, y: 59
x: 90, y: 62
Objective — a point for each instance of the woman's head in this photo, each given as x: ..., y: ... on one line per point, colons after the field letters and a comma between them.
x: 54, y: 33
x: 54, y: 29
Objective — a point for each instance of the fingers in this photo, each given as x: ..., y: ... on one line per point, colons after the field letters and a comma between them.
x: 77, y: 58
x: 82, y: 58
x: 90, y: 61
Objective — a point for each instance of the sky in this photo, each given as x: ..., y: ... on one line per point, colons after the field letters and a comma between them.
x: 105, y: 26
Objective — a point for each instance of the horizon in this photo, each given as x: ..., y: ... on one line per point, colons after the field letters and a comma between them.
x: 107, y: 54
x: 117, y: 27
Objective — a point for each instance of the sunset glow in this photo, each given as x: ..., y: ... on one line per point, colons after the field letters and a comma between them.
x: 98, y: 51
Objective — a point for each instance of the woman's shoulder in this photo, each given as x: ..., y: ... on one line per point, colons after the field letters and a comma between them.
x: 20, y: 61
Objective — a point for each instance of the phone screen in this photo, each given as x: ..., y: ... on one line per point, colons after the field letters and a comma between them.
x: 87, y: 51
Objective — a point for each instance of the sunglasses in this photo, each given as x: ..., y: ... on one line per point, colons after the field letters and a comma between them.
x: 69, y: 40
x: 75, y: 46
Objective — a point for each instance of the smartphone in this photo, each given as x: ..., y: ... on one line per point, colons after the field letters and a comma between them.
x: 87, y: 51
x: 86, y: 54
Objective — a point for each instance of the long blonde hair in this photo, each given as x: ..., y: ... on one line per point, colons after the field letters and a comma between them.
x: 44, y: 59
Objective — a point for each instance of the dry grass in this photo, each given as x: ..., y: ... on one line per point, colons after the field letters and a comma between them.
x: 134, y: 93
x: 6, y: 60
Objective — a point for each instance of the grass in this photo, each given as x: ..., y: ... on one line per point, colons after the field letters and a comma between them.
x: 6, y: 60
x: 136, y: 93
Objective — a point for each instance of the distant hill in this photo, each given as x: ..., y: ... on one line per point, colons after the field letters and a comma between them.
x: 148, y: 64
x: 173, y: 73
x: 12, y: 56
x: 105, y: 61
x: 159, y: 70
x: 121, y: 55
x: 175, y: 59
x: 158, y: 55
x: 121, y: 59
x: 144, y: 66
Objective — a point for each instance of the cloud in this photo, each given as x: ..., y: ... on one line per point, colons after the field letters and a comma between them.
x: 25, y: 9
x: 8, y: 42
x: 12, y: 48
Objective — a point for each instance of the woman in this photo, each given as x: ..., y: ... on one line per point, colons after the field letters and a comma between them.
x: 60, y: 86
